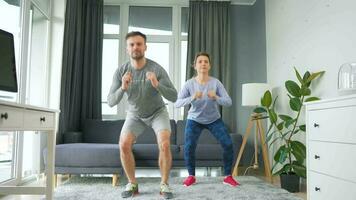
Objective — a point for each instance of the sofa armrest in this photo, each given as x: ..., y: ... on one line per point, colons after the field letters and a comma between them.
x: 73, y: 137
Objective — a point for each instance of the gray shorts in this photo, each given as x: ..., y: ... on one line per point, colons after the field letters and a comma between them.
x: 158, y: 121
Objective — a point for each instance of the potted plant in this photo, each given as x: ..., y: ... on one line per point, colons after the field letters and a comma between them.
x: 291, y: 154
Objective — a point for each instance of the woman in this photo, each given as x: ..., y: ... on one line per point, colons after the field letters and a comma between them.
x: 205, y: 93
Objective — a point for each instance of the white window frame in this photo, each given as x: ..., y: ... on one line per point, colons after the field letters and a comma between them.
x: 23, y: 62
x: 174, y: 41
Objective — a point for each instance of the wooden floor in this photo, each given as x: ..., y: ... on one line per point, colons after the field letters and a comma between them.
x: 257, y: 173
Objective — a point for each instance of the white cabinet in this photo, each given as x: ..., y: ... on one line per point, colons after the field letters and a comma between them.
x: 331, y: 149
x: 20, y: 117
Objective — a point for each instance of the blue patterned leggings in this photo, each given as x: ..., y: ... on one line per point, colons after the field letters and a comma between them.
x: 193, y: 130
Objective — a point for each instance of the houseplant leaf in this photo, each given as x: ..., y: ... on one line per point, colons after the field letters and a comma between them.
x: 299, y: 169
x: 272, y: 116
x: 305, y: 78
x: 295, y: 104
x: 260, y: 110
x: 289, y: 122
x: 281, y: 154
x: 285, y: 117
x: 298, y: 150
x: 267, y: 99
x: 293, y: 88
x: 311, y: 99
x: 302, y: 127
x: 314, y: 75
x: 280, y: 126
x: 300, y: 79
x: 304, y: 91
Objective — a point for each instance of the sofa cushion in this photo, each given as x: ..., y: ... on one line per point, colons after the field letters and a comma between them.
x: 149, y: 136
x: 87, y: 155
x: 101, y: 131
x: 150, y: 151
x: 205, y: 138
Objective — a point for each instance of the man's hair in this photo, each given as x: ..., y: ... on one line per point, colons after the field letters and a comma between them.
x: 135, y: 33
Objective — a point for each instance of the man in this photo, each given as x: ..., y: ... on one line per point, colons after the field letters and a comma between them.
x: 145, y: 82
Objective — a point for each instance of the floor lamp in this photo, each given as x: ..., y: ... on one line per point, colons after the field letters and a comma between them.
x: 251, y: 96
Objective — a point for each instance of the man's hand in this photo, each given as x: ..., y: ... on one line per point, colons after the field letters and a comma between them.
x: 198, y: 95
x: 126, y: 80
x: 212, y: 94
x: 153, y: 78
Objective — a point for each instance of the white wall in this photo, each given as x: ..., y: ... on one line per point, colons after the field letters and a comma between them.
x: 311, y: 35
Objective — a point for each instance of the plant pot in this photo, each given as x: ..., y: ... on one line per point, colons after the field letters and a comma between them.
x: 290, y: 182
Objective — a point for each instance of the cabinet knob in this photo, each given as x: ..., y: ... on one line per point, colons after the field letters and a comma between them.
x: 316, y: 125
x: 4, y: 116
x: 42, y: 119
x: 316, y: 157
x: 317, y: 189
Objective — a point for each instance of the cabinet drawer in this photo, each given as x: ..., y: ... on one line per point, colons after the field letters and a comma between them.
x: 39, y: 120
x: 334, y: 159
x: 10, y: 118
x: 322, y: 187
x: 336, y: 125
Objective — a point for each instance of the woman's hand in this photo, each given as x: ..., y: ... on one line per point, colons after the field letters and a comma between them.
x: 198, y: 95
x: 212, y: 94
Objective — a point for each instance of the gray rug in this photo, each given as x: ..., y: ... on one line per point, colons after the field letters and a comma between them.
x: 208, y: 188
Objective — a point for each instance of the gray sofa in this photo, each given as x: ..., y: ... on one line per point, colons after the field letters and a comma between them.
x: 95, y: 150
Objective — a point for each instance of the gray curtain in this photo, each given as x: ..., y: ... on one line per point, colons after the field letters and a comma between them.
x: 80, y: 97
x: 209, y: 31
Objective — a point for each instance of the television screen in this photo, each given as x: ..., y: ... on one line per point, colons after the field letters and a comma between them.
x: 8, y: 80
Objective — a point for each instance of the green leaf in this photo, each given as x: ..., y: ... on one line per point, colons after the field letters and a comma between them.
x: 293, y: 88
x: 304, y: 91
x: 274, y: 102
x: 280, y: 126
x: 300, y: 169
x: 284, y: 170
x: 285, y: 117
x: 259, y: 110
x: 275, y: 139
x: 281, y: 154
x: 300, y: 79
x: 295, y: 104
x: 289, y: 122
x: 269, y: 129
x: 302, y: 127
x: 305, y: 78
x: 314, y: 75
x: 266, y: 100
x: 298, y: 150
x: 258, y: 118
x: 279, y: 172
x: 311, y: 99
x: 272, y: 116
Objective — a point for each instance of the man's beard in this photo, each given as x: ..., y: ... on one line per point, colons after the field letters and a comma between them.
x: 137, y: 56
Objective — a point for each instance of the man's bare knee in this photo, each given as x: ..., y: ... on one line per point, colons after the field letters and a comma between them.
x: 126, y: 143
x: 165, y: 146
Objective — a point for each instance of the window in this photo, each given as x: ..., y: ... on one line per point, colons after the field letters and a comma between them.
x: 10, y: 22
x: 110, y: 63
x: 151, y: 20
x: 111, y: 45
x: 11, y: 10
x: 163, y: 25
x: 36, y: 92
